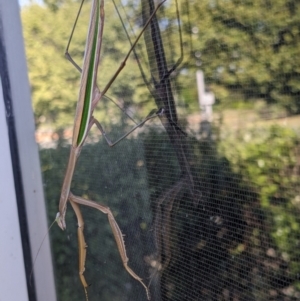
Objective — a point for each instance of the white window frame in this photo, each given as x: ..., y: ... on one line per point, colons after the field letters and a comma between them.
x: 14, y: 274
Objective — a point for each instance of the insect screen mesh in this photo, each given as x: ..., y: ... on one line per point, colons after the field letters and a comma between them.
x: 207, y: 198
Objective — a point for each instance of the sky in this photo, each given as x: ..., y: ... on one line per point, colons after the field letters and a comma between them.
x: 24, y: 2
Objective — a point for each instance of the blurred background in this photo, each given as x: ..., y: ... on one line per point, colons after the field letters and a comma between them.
x: 209, y: 199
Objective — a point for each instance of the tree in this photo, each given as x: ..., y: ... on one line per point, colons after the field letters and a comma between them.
x: 55, y: 82
x: 249, y: 50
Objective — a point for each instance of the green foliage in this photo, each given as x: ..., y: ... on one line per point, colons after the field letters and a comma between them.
x: 248, y: 214
x: 268, y: 159
x: 100, y: 176
x: 248, y: 51
x: 55, y: 82
x: 243, y: 235
x: 249, y: 47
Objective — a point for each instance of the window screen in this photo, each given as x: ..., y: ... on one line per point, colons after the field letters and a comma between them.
x: 206, y: 193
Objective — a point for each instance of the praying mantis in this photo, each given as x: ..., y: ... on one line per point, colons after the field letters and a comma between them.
x: 89, y: 96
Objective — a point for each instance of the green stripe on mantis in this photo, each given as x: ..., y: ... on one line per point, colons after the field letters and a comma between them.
x: 92, y: 69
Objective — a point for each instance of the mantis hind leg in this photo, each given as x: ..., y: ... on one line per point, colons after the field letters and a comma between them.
x: 82, y: 246
x: 75, y: 202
